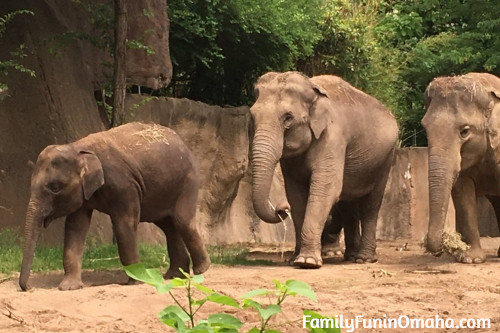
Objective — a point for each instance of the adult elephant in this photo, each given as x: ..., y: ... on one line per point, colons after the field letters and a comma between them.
x: 462, y: 122
x: 333, y: 142
x: 134, y: 172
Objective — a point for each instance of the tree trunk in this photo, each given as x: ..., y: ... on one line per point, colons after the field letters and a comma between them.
x: 120, y: 56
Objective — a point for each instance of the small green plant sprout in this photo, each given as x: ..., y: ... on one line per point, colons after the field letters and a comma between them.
x: 182, y: 317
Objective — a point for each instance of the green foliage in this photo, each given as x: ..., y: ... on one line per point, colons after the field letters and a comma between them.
x: 182, y: 317
x: 219, y: 48
x: 439, y: 38
x: 100, y: 256
x: 17, y: 55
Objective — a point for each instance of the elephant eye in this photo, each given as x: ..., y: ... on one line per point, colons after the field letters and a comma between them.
x: 465, y: 131
x: 287, y: 119
x: 56, y: 187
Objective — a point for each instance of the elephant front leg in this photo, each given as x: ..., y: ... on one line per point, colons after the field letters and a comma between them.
x: 125, y: 226
x: 324, y: 193
x: 464, y: 199
x: 296, y: 194
x: 75, y: 232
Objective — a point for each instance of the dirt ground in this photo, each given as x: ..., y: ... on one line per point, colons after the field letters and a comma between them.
x: 402, y: 283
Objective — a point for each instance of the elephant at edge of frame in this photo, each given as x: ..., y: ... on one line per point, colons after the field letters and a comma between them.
x: 133, y: 173
x: 462, y: 122
x: 334, y: 144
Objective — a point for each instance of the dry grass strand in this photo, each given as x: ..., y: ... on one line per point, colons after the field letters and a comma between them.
x: 153, y: 133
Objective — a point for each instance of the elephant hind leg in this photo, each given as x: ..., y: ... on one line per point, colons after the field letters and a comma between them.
x: 330, y: 238
x: 495, y: 202
x: 184, y: 222
x: 177, y: 251
x: 464, y: 199
x: 349, y: 214
x: 369, y: 207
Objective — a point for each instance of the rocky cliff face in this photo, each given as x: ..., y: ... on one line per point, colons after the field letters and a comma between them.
x: 219, y: 138
x: 58, y: 105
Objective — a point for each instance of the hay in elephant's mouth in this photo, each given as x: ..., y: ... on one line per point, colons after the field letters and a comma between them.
x: 153, y: 133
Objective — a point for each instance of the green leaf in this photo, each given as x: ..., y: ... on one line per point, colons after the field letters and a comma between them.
x: 163, y: 288
x: 256, y: 292
x: 139, y: 272
x: 254, y: 330
x: 270, y: 310
x: 176, y: 310
x: 301, y: 288
x: 200, y: 302
x: 177, y: 282
x: 204, y: 289
x: 279, y: 285
x: 198, y: 278
x: 223, y: 299
x: 173, y: 320
x: 315, y: 320
x: 202, y: 327
x: 273, y: 331
x: 185, y: 274
x: 225, y: 320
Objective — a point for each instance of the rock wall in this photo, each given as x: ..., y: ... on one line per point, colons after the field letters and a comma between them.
x: 58, y: 105
x: 219, y: 138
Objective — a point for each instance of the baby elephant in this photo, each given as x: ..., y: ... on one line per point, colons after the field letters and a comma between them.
x: 134, y: 173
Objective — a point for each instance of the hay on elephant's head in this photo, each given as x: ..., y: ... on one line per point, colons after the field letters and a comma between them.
x: 462, y: 84
x: 451, y: 244
x: 153, y: 133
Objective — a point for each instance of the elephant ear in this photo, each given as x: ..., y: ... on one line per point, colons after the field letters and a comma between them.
x: 320, y: 112
x: 91, y: 173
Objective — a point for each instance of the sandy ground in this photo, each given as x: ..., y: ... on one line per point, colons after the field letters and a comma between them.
x: 397, y: 285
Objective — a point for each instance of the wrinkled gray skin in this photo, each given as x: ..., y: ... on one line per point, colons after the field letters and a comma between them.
x: 344, y: 215
x: 334, y: 144
x: 462, y: 122
x: 129, y: 174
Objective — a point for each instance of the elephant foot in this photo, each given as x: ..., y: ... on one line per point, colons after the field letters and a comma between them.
x: 308, y: 261
x: 366, y: 257
x: 70, y: 283
x: 350, y: 257
x: 473, y: 256
x: 174, y: 272
x: 498, y: 253
x: 331, y: 250
x: 202, y: 267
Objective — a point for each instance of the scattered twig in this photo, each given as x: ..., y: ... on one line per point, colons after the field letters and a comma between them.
x: 104, y: 259
x: 382, y: 272
x: 6, y: 279
x: 352, y: 268
x: 12, y: 316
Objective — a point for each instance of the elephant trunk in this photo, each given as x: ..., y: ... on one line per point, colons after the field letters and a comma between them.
x: 34, y: 224
x: 266, y: 152
x: 443, y: 172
